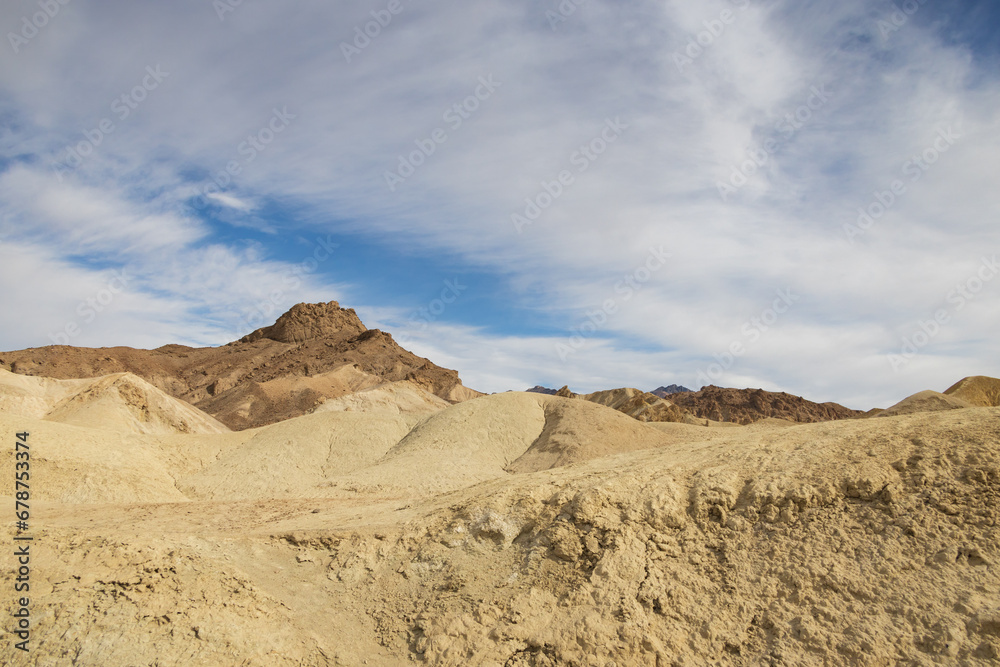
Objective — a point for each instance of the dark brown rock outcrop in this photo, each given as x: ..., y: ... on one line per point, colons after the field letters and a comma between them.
x: 745, y: 406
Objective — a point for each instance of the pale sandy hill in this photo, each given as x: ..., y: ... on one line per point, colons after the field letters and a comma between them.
x: 390, y: 398
x: 298, y: 458
x: 121, y: 402
x: 702, y: 421
x: 511, y: 530
x: 330, y: 452
x: 72, y: 464
x: 575, y: 431
x: 126, y: 402
x: 843, y: 543
x: 977, y: 390
x: 458, y: 393
x: 294, y: 458
x: 34, y: 396
x: 772, y: 422
x: 468, y: 443
x: 495, y: 436
x: 691, y: 433
x: 342, y: 453
x: 338, y: 453
x: 925, y: 401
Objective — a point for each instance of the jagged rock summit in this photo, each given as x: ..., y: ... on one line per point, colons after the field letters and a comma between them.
x: 307, y: 321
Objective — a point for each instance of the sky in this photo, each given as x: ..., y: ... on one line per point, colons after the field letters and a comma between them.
x: 795, y: 195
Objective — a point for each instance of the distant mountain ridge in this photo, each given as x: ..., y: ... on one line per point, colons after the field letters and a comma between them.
x: 712, y: 405
x: 745, y: 406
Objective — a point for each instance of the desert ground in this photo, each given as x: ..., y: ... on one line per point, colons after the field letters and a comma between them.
x: 412, y: 521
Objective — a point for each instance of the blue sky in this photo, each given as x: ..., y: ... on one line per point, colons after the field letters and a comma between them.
x: 799, y: 196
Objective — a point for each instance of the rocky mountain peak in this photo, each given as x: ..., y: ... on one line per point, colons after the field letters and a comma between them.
x: 663, y: 392
x: 306, y: 321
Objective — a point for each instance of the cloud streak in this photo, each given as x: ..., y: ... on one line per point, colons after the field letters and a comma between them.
x: 143, y: 198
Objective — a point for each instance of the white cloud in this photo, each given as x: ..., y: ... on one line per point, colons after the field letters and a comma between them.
x: 87, y: 266
x: 656, y: 184
x: 83, y: 219
x: 231, y: 201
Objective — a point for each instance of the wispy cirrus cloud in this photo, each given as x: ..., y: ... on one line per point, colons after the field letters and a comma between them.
x: 886, y: 95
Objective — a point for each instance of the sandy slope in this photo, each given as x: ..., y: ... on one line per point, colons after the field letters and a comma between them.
x: 388, y: 398
x: 121, y: 402
x: 977, y: 390
x: 517, y: 529
x: 298, y: 457
x: 925, y: 401
x: 34, y: 396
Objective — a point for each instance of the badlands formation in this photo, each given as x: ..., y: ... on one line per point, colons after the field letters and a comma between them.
x: 315, y: 495
x: 312, y: 353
